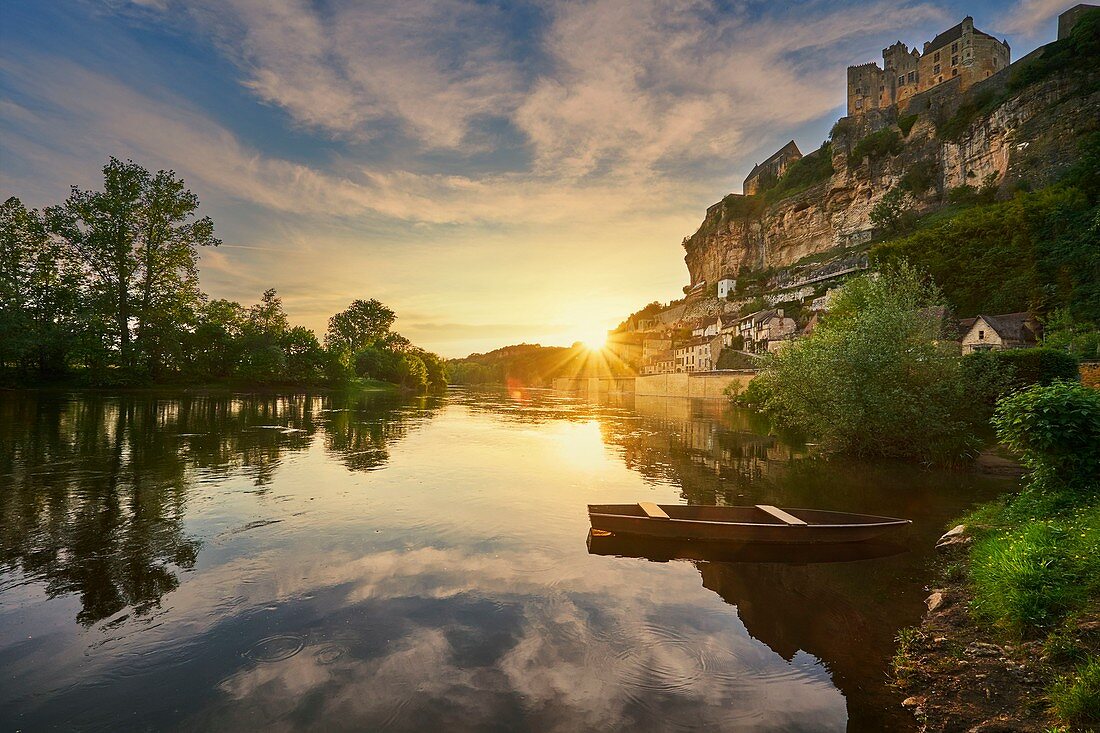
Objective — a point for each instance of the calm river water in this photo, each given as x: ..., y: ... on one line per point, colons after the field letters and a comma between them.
x: 257, y: 562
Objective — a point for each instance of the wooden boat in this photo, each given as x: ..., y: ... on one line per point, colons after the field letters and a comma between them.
x: 658, y: 549
x: 760, y: 523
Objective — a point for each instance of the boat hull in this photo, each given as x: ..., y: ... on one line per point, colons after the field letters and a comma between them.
x: 742, y: 525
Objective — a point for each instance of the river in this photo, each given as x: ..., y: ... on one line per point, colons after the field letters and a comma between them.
x: 175, y: 561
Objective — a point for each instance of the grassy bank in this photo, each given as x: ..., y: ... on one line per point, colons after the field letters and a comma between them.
x: 1030, y: 578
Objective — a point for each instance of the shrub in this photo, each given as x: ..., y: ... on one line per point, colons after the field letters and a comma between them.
x: 803, y: 173
x: 1056, y: 429
x: 892, y: 216
x: 906, y: 124
x: 876, y: 377
x: 877, y: 145
x: 971, y: 108
x: 919, y: 177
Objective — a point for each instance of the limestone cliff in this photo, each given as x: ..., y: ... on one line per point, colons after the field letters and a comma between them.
x: 1026, y: 137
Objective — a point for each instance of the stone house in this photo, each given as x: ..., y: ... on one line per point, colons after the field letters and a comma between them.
x: 706, y: 328
x: 962, y: 52
x: 695, y: 356
x: 762, y: 327
x: 997, y: 333
x: 771, y: 169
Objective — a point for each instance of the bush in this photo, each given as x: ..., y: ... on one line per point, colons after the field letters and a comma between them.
x: 892, y: 216
x: 876, y: 146
x: 919, y: 177
x: 991, y: 375
x: 972, y: 108
x: 906, y: 124
x: 876, y: 377
x: 1056, y: 429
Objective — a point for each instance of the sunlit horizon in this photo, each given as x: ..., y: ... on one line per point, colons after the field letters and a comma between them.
x: 495, y: 174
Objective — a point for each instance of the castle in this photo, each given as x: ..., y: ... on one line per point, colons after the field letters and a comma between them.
x: 962, y: 52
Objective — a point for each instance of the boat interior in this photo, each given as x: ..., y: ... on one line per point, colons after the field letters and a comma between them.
x: 761, y: 514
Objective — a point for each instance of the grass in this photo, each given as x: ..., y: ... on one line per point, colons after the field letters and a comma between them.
x: 1075, y: 697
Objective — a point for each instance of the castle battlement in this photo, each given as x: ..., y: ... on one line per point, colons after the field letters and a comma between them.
x: 962, y: 52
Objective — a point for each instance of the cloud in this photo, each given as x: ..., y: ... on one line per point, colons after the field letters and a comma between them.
x: 1029, y: 17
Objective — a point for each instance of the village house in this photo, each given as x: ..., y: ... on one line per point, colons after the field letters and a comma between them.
x: 726, y: 285
x: 997, y: 333
x: 695, y: 356
x: 707, y: 327
x: 759, y: 329
x: 663, y: 363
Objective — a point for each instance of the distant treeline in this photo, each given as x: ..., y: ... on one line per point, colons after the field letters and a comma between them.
x: 103, y: 289
x: 534, y: 365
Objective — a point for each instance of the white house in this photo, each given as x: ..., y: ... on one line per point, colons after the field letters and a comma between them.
x: 726, y: 286
x: 996, y: 333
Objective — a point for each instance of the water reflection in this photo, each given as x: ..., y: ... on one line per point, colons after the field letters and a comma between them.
x: 95, y: 488
x: 334, y: 562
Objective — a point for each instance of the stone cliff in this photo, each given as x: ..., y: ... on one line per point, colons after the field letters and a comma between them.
x: 991, y: 135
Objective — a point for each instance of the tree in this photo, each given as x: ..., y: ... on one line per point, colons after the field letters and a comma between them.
x: 361, y: 324
x: 891, y: 216
x: 877, y: 377
x: 39, y: 290
x: 305, y: 359
x: 137, y: 242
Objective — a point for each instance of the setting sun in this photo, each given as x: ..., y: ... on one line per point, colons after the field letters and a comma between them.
x: 594, y: 340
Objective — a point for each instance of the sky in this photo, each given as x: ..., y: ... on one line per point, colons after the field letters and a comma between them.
x: 495, y: 172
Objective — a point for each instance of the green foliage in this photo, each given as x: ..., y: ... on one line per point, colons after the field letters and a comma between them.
x: 920, y: 176
x: 906, y: 122
x: 892, y: 215
x: 991, y: 375
x: 1029, y: 577
x: 1056, y: 430
x: 884, y: 143
x: 136, y: 243
x: 876, y: 377
x: 361, y: 324
x: 733, y: 358
x: 973, y: 106
x: 803, y: 173
x: 1076, y: 697
x: 1076, y: 54
x: 1036, y: 252
x: 844, y: 127
x: 106, y: 284
x: 1079, y: 338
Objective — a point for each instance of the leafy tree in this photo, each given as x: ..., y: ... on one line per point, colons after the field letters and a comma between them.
x: 361, y: 324
x: 39, y: 291
x: 137, y: 242
x: 305, y: 359
x: 892, y: 216
x: 267, y: 316
x: 411, y: 372
x: 876, y: 377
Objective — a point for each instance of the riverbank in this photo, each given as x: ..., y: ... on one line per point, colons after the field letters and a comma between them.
x: 960, y: 676
x: 1011, y: 639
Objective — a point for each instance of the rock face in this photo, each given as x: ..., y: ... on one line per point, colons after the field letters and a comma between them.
x: 1018, y: 139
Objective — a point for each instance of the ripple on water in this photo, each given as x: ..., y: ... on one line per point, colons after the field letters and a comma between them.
x: 275, y: 648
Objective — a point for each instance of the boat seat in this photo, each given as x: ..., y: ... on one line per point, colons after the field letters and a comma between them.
x: 652, y: 510
x: 780, y: 514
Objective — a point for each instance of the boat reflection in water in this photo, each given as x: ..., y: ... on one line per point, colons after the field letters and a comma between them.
x: 810, y: 598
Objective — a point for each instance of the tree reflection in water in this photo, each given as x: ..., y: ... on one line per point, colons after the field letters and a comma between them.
x: 96, y: 488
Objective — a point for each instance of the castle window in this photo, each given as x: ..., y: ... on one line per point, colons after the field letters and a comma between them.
x: 936, y: 57
x: 954, y: 72
x: 859, y: 104
x: 901, y: 80
x: 954, y: 60
x: 912, y: 76
x: 936, y: 69
x: 954, y: 47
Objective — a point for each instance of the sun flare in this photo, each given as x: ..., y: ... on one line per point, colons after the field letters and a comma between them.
x: 594, y: 340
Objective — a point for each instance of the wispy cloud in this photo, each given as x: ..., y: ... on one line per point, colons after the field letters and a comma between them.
x: 1030, y: 17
